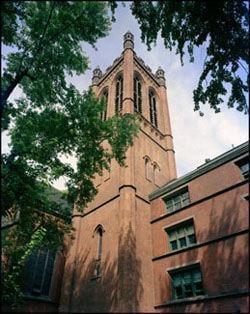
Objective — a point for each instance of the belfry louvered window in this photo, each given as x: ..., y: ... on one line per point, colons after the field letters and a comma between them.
x: 38, y: 272
x: 153, y: 109
x: 105, y: 95
x: 137, y: 94
x: 118, y: 93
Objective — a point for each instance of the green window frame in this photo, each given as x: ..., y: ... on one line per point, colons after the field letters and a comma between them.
x: 177, y: 201
x: 181, y: 235
x: 187, y: 282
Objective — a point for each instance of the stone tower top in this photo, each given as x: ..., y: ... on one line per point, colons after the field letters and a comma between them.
x: 128, y: 40
x: 160, y: 76
x: 97, y: 74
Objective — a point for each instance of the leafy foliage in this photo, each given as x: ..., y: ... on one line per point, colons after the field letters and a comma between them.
x: 221, y: 25
x: 46, y: 54
x: 12, y: 293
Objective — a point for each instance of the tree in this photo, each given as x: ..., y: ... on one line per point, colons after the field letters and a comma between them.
x: 52, y: 119
x: 222, y: 25
x: 42, y: 58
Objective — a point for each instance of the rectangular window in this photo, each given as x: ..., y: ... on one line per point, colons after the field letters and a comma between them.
x: 186, y: 282
x: 177, y: 200
x: 243, y: 164
x: 181, y: 235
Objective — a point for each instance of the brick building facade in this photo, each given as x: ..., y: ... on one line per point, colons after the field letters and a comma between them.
x: 149, y: 241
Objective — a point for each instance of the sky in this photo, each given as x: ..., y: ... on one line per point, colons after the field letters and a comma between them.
x: 195, y: 138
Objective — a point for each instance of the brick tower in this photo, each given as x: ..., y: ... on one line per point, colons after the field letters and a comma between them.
x: 109, y: 264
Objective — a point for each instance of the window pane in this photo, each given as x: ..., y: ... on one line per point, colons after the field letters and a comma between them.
x: 198, y: 288
x: 48, y: 274
x: 176, y: 280
x: 185, y: 202
x: 178, y: 292
x: 185, y: 196
x: 172, y: 235
x: 189, y: 229
x: 177, y: 206
x: 187, y: 278
x: 191, y: 239
x: 39, y: 272
x: 196, y: 276
x: 173, y: 245
x: 181, y: 232
x: 183, y: 242
x: 188, y: 290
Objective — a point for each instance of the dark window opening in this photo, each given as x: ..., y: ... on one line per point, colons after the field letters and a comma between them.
x: 153, y: 109
x: 118, y: 94
x: 137, y: 95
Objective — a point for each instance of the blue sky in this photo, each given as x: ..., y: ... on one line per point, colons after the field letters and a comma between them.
x: 195, y: 138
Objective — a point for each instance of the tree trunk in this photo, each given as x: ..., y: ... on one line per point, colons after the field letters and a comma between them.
x: 7, y: 92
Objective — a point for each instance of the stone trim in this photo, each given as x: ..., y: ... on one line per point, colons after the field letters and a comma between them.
x: 214, y: 163
x: 198, y: 245
x: 199, y: 201
x: 142, y: 198
x: 127, y: 186
x: 233, y: 294
x: 153, y: 140
x: 110, y: 200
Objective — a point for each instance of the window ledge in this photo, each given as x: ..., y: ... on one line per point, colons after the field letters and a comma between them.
x: 37, y: 298
x: 236, y: 293
x: 95, y: 277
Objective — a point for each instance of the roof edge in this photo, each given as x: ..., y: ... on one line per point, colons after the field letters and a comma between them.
x: 214, y: 163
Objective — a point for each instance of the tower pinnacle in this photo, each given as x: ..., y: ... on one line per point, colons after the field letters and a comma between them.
x: 128, y: 40
x: 97, y: 74
x: 160, y: 76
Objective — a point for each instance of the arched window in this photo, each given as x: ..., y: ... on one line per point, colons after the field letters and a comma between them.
x: 152, y: 108
x: 99, y: 250
x: 137, y: 94
x: 148, y: 168
x: 156, y: 171
x: 105, y: 95
x: 118, y: 93
x: 99, y: 233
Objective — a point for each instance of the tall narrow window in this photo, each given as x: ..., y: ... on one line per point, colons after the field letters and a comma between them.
x: 105, y: 95
x: 99, y: 233
x: 99, y: 252
x: 152, y: 108
x: 137, y: 94
x: 118, y: 93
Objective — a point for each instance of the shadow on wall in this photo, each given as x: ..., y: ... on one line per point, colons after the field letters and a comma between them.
x: 224, y: 264
x: 117, y: 289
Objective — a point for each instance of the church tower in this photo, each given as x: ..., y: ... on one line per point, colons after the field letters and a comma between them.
x: 109, y: 263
